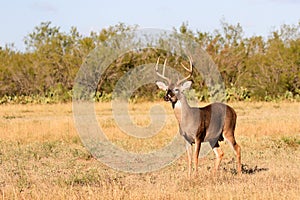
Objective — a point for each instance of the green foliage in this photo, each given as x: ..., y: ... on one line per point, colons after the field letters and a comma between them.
x: 102, y: 97
x: 237, y: 94
x: 252, y: 68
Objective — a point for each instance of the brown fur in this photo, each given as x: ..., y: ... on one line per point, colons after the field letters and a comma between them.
x: 227, y: 133
x: 212, y: 126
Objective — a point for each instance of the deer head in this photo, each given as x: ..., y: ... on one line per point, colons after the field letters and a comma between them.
x: 174, y: 91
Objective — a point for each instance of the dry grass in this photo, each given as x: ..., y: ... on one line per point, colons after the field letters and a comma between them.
x: 41, y: 157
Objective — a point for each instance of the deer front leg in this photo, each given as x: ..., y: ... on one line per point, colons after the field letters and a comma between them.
x: 197, y: 150
x: 189, y: 151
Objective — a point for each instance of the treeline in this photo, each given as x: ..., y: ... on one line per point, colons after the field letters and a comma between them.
x: 253, y: 68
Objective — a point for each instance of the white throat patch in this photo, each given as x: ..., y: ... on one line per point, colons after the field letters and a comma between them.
x: 177, y: 105
x: 177, y: 111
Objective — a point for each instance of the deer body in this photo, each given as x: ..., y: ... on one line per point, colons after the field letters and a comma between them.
x: 192, y: 128
x: 211, y: 123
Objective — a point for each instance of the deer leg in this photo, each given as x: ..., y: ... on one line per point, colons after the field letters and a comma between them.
x: 237, y: 151
x: 197, y: 150
x: 189, y: 151
x: 219, y: 155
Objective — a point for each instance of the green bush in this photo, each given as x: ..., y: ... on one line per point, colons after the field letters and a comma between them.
x: 237, y: 94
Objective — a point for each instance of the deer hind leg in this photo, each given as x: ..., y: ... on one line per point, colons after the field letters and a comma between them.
x: 237, y: 150
x: 219, y: 155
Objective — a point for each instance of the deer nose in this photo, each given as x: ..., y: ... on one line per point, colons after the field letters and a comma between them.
x: 166, y: 98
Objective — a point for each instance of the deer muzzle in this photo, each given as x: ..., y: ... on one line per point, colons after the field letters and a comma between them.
x: 167, y: 98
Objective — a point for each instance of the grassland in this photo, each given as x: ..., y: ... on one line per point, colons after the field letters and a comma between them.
x: 42, y: 157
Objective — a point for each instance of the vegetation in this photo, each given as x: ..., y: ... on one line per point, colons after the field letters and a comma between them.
x: 41, y: 156
x: 253, y: 68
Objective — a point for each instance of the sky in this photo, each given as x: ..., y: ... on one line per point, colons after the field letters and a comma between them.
x: 257, y: 17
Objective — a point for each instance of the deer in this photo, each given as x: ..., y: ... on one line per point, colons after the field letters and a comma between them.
x: 213, y: 123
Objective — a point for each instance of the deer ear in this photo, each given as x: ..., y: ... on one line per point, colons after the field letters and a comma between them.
x: 186, y: 85
x: 161, y: 85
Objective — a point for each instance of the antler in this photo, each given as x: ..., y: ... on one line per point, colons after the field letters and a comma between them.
x: 189, y: 70
x: 164, y: 68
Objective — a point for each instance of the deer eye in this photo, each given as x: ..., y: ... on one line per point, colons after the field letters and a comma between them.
x: 176, y: 90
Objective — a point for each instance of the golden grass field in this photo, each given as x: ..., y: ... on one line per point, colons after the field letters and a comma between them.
x: 42, y: 157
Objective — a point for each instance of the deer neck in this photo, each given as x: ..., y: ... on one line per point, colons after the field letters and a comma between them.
x: 181, y: 109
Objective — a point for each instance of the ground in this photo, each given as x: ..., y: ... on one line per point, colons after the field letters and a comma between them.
x: 42, y: 156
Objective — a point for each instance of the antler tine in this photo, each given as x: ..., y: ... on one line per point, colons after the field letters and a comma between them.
x: 164, y: 68
x: 189, y: 70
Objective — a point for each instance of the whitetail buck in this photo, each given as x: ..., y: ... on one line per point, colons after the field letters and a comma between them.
x: 211, y: 123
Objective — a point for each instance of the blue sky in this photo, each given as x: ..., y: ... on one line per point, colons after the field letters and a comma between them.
x: 257, y: 17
